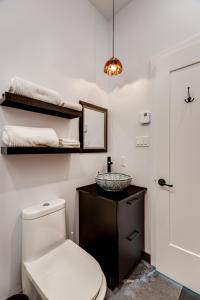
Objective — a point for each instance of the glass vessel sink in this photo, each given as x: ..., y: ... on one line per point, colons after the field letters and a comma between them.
x: 113, y: 182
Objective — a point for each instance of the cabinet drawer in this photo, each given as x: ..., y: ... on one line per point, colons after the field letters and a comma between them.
x: 131, y: 215
x: 130, y: 249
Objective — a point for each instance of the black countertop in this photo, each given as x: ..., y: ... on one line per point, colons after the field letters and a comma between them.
x: 95, y: 190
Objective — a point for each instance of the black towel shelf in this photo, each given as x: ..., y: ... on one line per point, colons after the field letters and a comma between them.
x: 38, y: 150
x: 33, y: 105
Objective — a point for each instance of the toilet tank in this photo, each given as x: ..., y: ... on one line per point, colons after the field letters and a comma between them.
x: 43, y: 228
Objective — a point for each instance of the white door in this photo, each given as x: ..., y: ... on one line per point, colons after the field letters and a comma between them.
x: 178, y: 163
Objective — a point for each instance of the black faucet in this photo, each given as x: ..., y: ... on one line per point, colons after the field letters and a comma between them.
x: 109, y: 163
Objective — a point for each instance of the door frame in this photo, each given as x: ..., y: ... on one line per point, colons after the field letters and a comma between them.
x: 161, y: 66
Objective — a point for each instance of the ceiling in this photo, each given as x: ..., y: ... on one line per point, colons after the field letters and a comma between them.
x: 105, y: 6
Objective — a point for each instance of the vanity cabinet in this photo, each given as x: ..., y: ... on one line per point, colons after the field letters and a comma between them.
x: 111, y: 228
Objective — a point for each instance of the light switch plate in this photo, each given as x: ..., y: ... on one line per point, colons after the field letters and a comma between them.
x: 142, y: 141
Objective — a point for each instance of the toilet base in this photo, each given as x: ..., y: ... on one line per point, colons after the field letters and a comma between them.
x: 102, y: 292
x: 29, y: 289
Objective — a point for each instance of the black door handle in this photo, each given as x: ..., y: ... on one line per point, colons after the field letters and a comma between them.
x: 162, y: 182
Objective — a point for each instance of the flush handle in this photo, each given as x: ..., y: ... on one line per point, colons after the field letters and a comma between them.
x: 162, y: 182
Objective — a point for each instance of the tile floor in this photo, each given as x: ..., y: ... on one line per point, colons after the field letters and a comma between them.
x: 145, y: 283
x: 188, y: 295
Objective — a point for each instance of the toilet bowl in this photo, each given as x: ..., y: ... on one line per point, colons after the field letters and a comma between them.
x: 53, y: 267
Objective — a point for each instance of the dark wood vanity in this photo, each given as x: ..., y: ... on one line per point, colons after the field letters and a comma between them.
x: 111, y: 228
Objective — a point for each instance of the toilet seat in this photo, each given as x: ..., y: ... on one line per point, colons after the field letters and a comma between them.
x: 67, y: 272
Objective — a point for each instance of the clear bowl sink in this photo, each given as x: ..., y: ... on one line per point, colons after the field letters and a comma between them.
x: 113, y: 182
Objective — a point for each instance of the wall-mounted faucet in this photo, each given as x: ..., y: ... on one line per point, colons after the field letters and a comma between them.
x: 109, y: 163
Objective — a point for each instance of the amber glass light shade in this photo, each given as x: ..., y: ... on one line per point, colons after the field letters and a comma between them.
x: 113, y: 67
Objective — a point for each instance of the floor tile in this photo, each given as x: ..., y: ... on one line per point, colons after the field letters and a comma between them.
x: 188, y: 295
x: 145, y: 283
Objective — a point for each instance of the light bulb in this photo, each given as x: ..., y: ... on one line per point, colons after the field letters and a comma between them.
x: 113, y: 68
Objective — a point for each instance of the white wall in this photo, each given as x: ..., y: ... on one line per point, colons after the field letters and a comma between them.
x: 143, y: 30
x: 61, y: 45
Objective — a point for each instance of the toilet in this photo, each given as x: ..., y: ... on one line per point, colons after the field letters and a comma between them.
x: 53, y: 267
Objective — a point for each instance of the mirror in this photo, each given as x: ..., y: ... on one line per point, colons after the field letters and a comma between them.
x: 93, y: 128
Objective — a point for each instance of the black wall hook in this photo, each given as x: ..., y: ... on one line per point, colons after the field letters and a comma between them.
x: 189, y: 99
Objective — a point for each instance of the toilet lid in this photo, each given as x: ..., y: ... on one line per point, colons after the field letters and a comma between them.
x: 67, y: 272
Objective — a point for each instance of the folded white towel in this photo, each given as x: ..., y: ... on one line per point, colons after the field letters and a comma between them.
x: 29, y: 89
x: 69, y: 146
x: 68, y: 143
x: 19, y: 136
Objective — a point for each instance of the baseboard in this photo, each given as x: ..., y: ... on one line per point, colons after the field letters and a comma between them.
x: 146, y: 256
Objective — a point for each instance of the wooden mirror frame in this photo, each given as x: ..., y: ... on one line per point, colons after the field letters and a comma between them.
x: 81, y: 127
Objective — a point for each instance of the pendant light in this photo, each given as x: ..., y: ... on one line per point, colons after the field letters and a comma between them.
x: 113, y: 66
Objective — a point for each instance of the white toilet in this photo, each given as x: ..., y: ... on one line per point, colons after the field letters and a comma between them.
x: 53, y: 267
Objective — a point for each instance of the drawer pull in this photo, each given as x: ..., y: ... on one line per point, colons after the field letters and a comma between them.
x: 133, y: 235
x: 132, y: 200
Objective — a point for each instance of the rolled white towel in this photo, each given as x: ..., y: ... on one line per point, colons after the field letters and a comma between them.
x: 72, y: 105
x: 26, y: 88
x: 19, y: 136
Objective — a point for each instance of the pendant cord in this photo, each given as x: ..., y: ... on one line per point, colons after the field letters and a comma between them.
x: 113, y: 26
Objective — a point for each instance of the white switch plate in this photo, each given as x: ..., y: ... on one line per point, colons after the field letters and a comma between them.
x: 142, y: 141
